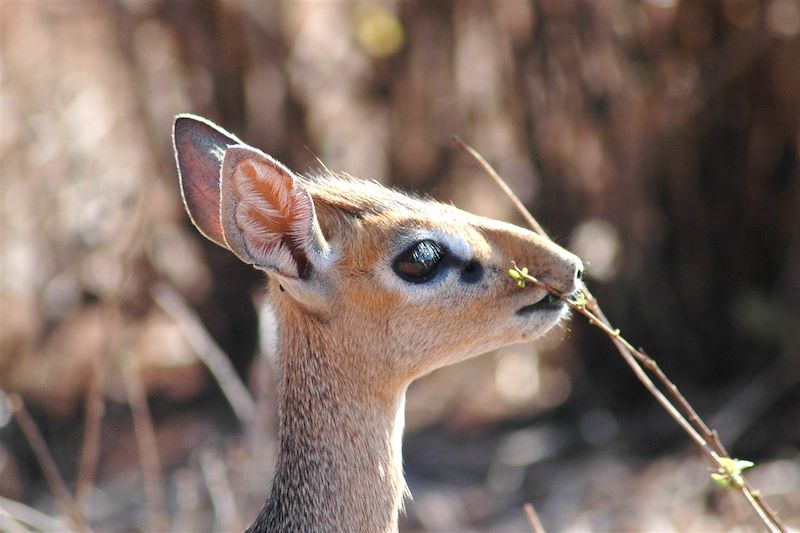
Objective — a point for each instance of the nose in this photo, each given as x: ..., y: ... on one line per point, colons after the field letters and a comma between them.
x: 565, y: 274
x: 577, y: 274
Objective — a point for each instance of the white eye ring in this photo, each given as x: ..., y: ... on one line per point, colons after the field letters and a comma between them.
x: 455, y: 248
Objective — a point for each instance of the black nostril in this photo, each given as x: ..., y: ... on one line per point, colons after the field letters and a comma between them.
x: 579, y: 274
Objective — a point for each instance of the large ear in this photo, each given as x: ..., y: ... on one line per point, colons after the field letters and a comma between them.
x: 268, y: 217
x: 199, y: 149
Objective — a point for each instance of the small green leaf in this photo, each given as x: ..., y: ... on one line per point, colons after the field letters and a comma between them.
x: 727, y: 465
x: 721, y: 479
x: 735, y: 466
x: 517, y: 274
x: 580, y: 300
x: 729, y: 473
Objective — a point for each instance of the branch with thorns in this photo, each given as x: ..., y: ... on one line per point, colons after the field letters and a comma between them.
x: 728, y: 473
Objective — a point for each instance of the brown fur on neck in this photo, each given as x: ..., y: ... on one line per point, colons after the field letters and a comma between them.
x: 338, y: 465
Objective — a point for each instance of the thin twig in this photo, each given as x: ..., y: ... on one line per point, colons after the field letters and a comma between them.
x: 95, y: 409
x: 651, y: 365
x: 532, y: 222
x: 148, y: 446
x: 706, y: 438
x: 694, y: 419
x: 54, y: 479
x: 708, y: 442
x: 533, y: 518
x: 208, y: 351
x: 630, y: 354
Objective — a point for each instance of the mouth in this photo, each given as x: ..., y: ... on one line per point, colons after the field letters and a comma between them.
x: 549, y: 302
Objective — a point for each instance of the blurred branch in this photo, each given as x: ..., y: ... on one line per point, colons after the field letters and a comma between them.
x: 9, y: 523
x: 95, y: 409
x: 148, y: 447
x: 219, y: 489
x: 705, y: 438
x: 208, y: 351
x: 188, y: 514
x: 22, y: 514
x: 262, y: 430
x: 533, y: 518
x: 54, y: 479
x: 753, y: 399
x: 95, y: 406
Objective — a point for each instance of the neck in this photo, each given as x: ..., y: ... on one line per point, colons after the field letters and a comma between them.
x: 339, y: 464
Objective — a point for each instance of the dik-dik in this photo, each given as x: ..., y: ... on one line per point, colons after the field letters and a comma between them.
x: 372, y: 289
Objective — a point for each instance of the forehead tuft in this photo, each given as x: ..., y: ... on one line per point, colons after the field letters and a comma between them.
x: 361, y: 198
x: 393, y: 219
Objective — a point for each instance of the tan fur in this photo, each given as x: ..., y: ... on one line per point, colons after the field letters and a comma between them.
x: 353, y: 335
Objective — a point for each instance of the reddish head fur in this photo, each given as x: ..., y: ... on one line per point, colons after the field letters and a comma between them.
x: 372, y: 289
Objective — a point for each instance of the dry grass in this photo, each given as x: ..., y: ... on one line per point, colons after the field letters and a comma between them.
x: 651, y: 137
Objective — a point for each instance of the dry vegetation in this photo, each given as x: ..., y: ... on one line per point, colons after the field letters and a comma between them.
x: 657, y: 139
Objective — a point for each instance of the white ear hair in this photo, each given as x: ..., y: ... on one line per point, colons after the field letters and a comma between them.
x: 267, y: 216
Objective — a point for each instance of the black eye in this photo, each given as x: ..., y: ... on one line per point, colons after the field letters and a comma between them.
x: 418, y: 264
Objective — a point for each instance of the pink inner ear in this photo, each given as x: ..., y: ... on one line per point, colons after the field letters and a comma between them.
x: 267, y: 202
x: 266, y: 214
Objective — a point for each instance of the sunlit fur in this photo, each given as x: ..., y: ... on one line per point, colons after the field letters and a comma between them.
x: 347, y: 366
x: 352, y: 334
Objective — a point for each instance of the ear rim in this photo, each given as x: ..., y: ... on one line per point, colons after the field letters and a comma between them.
x: 184, y: 126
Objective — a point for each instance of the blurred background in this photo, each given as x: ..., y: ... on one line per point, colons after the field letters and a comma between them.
x: 657, y: 139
